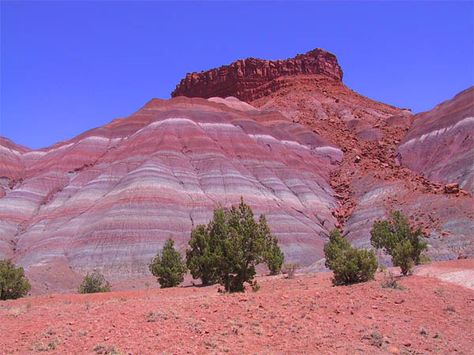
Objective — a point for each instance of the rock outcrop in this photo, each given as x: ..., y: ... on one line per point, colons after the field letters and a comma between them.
x: 440, y: 143
x: 251, y: 78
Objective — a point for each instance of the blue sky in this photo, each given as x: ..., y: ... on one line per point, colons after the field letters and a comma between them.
x: 70, y: 66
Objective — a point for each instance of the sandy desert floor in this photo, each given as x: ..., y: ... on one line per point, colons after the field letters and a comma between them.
x: 304, y: 315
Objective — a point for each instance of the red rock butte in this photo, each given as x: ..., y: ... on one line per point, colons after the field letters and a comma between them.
x: 252, y: 78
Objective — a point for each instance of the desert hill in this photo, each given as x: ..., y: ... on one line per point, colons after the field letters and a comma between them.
x: 288, y: 136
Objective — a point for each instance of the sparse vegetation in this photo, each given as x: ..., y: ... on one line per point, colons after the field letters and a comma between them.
x: 375, y: 339
x: 93, y: 283
x: 290, y: 270
x: 399, y: 240
x: 439, y: 292
x: 350, y: 265
x: 18, y: 311
x: 106, y: 349
x: 230, y: 246
x: 389, y: 281
x: 169, y: 267
x: 13, y: 282
x: 151, y: 317
x: 46, y: 347
x: 255, y: 286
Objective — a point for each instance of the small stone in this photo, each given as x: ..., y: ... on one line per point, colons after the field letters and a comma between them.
x: 393, y: 350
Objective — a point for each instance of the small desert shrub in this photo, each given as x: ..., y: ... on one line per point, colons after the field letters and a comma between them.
x: 350, y: 265
x: 375, y: 339
x: 106, y: 349
x: 290, y: 270
x: 439, y: 292
x: 169, y: 267
x: 93, y: 283
x: 389, y: 281
x: 40, y: 346
x: 151, y: 317
x: 255, y: 286
x: 272, y: 254
x: 13, y: 283
x: 18, y: 311
x: 399, y: 240
x: 229, y: 247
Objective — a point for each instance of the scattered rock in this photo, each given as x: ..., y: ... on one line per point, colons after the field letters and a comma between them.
x: 452, y: 188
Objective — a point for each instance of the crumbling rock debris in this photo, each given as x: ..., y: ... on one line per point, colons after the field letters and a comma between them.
x: 452, y: 188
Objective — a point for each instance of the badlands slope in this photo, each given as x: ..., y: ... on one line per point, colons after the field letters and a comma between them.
x: 109, y: 198
x: 293, y: 141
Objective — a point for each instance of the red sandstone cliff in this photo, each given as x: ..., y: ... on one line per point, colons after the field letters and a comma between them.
x: 249, y: 79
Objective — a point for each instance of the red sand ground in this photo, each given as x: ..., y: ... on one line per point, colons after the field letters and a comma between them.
x: 302, y: 315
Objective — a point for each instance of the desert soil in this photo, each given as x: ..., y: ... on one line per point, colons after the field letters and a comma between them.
x: 304, y: 315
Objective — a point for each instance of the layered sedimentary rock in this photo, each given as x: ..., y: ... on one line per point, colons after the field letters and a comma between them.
x: 304, y: 149
x: 251, y: 78
x: 109, y: 198
x: 369, y: 181
x: 440, y: 143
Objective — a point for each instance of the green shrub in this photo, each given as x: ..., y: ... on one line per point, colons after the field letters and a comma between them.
x: 169, y: 268
x: 201, y: 257
x: 230, y: 246
x: 93, y: 283
x: 239, y: 249
x: 399, y: 240
x: 13, y: 283
x: 272, y: 254
x: 350, y: 265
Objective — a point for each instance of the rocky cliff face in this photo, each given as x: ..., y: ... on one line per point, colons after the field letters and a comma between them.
x: 440, y: 143
x: 251, y: 78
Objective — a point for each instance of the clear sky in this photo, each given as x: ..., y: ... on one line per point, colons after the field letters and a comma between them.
x: 70, y: 66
